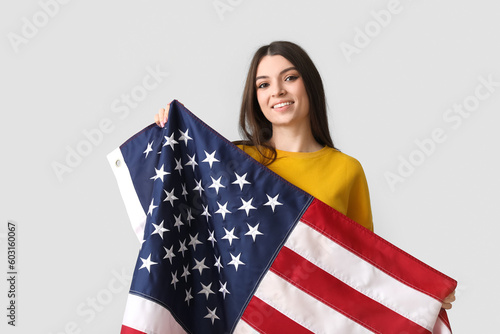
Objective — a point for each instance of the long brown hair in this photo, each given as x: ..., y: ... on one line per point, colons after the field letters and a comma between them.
x: 254, y: 126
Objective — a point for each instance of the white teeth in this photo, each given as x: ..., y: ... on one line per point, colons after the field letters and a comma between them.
x: 279, y: 105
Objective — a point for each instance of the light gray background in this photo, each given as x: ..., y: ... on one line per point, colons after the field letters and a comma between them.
x: 74, y: 235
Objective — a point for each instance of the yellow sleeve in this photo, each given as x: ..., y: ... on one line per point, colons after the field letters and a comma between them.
x: 359, y: 208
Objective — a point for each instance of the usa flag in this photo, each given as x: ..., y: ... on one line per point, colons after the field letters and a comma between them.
x: 227, y: 246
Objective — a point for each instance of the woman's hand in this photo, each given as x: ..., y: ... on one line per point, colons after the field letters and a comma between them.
x: 162, y: 116
x: 448, y: 300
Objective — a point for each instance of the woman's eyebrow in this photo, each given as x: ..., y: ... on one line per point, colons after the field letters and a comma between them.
x: 285, y: 70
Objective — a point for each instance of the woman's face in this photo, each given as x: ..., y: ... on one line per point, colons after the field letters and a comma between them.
x: 281, y: 92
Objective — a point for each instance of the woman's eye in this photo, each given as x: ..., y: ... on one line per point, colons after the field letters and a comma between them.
x: 262, y: 85
x: 291, y: 78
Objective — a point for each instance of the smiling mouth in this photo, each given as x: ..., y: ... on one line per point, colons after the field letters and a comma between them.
x: 282, y: 104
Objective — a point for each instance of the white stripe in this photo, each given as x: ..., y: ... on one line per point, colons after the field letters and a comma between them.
x: 303, y: 308
x: 440, y: 328
x: 149, y: 317
x: 362, y: 276
x: 243, y: 328
x: 132, y: 204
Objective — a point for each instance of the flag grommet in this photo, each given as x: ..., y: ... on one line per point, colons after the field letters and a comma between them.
x: 118, y: 163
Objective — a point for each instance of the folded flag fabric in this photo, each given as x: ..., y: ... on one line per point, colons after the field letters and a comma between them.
x: 230, y: 247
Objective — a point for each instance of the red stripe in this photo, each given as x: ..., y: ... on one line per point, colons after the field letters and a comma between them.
x: 266, y: 319
x: 444, y: 318
x: 375, y: 250
x: 340, y: 296
x: 128, y: 330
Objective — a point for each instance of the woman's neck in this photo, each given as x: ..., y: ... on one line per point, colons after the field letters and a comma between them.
x: 294, y: 141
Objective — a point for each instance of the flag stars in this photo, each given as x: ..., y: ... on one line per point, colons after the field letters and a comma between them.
x: 216, y: 184
x: 170, y: 253
x: 247, y: 205
x: 223, y: 210
x: 159, y: 229
x: 253, y: 231
x: 178, y: 165
x: 206, y: 289
x: 230, y: 235
x: 174, y: 280
x: 235, y: 261
x: 147, y: 263
x: 211, y: 315
x: 194, y: 241
x: 148, y: 149
x: 185, y: 136
x: 192, y: 161
x: 182, y: 247
x: 185, y: 273
x: 151, y: 208
x: 210, y: 158
x: 200, y: 265
x: 241, y: 180
x: 170, y: 197
x: 170, y: 141
x: 211, y: 238
x: 223, y: 289
x: 160, y: 173
x: 205, y: 212
x: 178, y: 222
x: 198, y: 187
x: 273, y: 201
x: 189, y: 216
x: 188, y: 296
x: 184, y: 191
x: 218, y: 264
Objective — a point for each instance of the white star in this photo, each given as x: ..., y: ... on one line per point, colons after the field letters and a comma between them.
x: 200, y: 265
x: 223, y: 210
x: 170, y: 141
x: 192, y: 161
x: 159, y: 229
x: 160, y: 173
x: 174, y: 280
x: 223, y: 289
x: 212, y: 237
x: 185, y: 273
x: 147, y: 263
x: 241, y: 180
x: 210, y: 158
x: 148, y: 149
x: 178, y: 222
x: 194, y: 241
x: 170, y: 197
x: 185, y: 136
x: 205, y: 212
x: 178, y: 166
x: 211, y: 315
x: 189, y: 216
x: 206, y: 290
x: 247, y: 206
x: 198, y: 186
x: 183, y: 247
x: 188, y: 296
x: 151, y: 208
x: 170, y: 254
x: 216, y: 184
x: 235, y: 261
x: 273, y: 201
x: 230, y: 236
x: 184, y: 191
x: 217, y: 263
x: 253, y: 231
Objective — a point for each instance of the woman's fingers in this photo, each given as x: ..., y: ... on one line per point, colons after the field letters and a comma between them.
x: 448, y: 300
x: 162, y: 116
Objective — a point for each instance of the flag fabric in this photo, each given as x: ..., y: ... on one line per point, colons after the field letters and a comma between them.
x: 228, y: 246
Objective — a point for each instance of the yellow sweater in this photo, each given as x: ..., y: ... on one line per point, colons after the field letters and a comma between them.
x: 329, y: 175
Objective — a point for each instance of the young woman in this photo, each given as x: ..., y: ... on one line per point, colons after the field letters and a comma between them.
x: 283, y: 119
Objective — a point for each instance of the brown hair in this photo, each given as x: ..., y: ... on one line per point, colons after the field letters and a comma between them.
x: 255, y: 128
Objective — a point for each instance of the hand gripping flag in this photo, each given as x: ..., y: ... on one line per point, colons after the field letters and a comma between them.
x: 230, y: 247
